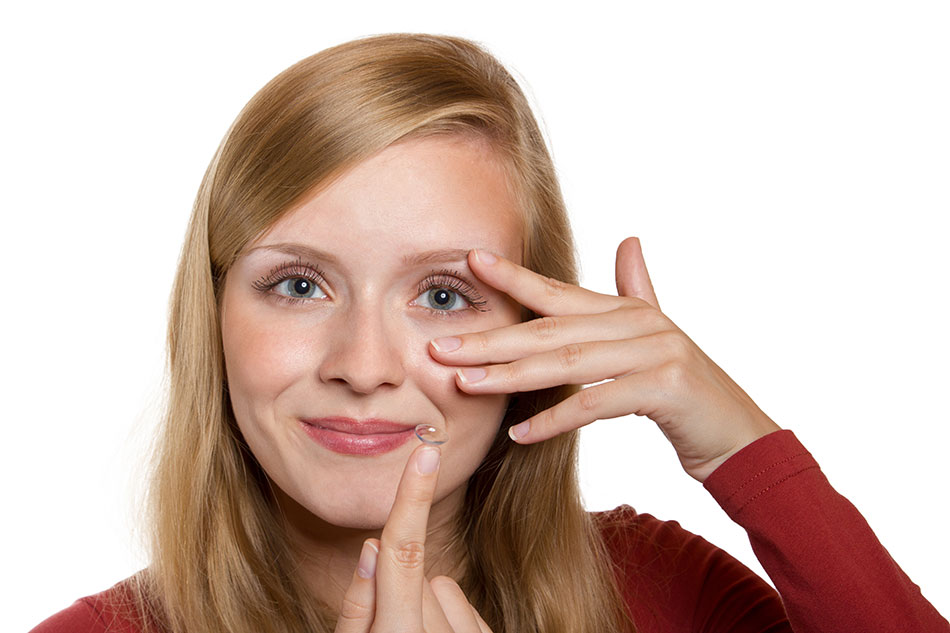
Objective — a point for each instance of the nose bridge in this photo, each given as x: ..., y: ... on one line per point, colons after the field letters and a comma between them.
x: 365, y: 352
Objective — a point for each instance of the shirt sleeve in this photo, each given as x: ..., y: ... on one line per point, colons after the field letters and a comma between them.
x: 828, y: 566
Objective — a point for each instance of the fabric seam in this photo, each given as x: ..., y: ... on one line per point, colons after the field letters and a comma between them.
x: 773, y: 485
x: 751, y: 479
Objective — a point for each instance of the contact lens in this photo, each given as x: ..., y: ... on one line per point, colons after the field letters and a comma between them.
x: 431, y: 435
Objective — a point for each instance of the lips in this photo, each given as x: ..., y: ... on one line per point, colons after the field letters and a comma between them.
x: 358, y: 437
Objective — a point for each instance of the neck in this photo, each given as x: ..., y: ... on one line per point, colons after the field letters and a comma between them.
x: 328, y: 554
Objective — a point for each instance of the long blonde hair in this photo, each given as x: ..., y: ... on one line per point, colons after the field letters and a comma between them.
x: 220, y: 560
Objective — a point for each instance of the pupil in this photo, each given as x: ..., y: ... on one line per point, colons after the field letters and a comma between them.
x: 442, y: 297
x: 301, y: 286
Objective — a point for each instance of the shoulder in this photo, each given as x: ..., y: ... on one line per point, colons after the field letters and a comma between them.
x: 671, y: 579
x: 107, y: 611
x: 624, y: 529
x: 637, y: 542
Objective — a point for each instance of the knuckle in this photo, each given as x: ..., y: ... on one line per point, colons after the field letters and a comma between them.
x: 675, y: 345
x: 408, y: 554
x: 554, y: 288
x: 544, y: 328
x: 672, y: 376
x: 569, y: 356
x: 353, y: 610
x: 654, y: 319
x: 416, y: 497
x: 514, y: 372
x: 589, y: 399
x: 478, y: 342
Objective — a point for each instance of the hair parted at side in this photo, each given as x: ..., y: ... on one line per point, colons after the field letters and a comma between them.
x: 220, y: 561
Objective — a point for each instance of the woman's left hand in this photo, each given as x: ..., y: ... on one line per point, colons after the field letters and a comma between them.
x: 583, y: 337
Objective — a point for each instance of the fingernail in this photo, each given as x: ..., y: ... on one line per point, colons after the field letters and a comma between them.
x: 471, y: 374
x: 485, y: 257
x: 427, y: 461
x: 447, y: 344
x: 367, y: 565
x: 518, y: 431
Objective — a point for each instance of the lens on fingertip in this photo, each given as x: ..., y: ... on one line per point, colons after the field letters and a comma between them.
x: 431, y: 435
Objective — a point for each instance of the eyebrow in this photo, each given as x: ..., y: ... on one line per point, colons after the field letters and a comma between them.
x: 298, y: 250
x: 437, y: 256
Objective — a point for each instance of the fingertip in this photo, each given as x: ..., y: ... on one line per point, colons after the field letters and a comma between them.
x: 427, y: 459
x: 629, y: 242
x: 368, y: 557
x: 485, y: 258
x: 470, y: 375
x: 446, y: 344
x: 519, y: 432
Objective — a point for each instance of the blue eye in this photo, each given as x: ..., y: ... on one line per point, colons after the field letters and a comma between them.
x: 447, y: 291
x: 292, y: 282
x: 298, y: 288
x: 444, y: 299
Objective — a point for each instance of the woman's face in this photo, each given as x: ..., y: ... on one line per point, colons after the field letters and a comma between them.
x: 326, y: 322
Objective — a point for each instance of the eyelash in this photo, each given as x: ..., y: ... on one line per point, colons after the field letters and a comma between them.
x: 453, y: 280
x: 449, y: 279
x: 290, y: 270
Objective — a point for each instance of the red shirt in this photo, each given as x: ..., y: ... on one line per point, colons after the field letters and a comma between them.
x: 832, y: 573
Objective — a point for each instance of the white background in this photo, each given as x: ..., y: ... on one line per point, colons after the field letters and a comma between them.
x: 786, y: 167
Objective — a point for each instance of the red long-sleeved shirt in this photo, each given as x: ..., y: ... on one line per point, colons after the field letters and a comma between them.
x: 832, y: 573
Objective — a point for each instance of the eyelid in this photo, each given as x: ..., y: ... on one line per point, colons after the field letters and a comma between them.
x: 291, y: 270
x: 455, y: 281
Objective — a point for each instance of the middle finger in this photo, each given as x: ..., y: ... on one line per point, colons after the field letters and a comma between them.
x: 512, y: 342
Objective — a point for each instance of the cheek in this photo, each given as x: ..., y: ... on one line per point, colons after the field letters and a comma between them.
x: 471, y: 421
x: 263, y: 357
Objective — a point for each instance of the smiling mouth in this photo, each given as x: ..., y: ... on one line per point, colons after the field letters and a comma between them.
x: 347, y: 436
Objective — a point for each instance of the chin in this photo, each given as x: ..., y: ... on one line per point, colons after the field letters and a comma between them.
x: 357, y: 512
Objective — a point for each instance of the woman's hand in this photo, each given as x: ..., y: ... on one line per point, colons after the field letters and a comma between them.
x: 652, y: 367
x: 389, y: 590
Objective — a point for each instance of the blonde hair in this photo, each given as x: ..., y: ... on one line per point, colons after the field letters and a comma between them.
x: 534, y: 560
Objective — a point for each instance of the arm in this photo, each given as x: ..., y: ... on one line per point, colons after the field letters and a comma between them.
x: 830, y: 569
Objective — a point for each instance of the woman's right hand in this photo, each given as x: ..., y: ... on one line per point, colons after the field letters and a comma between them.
x: 389, y: 590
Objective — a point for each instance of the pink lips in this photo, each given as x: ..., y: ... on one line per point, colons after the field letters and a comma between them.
x: 357, y: 437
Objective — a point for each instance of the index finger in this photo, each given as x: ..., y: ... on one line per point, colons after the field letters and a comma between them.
x: 400, y: 568
x: 543, y: 295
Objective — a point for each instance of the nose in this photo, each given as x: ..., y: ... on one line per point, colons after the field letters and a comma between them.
x: 365, y: 351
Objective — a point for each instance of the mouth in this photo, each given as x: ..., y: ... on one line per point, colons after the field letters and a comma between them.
x: 357, y: 437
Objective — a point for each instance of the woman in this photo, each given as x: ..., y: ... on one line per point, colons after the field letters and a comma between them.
x: 370, y: 250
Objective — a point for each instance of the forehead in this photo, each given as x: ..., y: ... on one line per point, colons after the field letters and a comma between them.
x: 424, y: 194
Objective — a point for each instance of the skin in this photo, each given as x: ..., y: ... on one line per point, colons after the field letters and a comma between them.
x: 358, y: 348
x: 364, y: 350
x: 583, y: 337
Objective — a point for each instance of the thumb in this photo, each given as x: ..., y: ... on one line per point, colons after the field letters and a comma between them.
x: 359, y: 603
x: 633, y: 280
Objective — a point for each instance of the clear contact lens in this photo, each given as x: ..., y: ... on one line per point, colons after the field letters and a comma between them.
x: 431, y: 435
